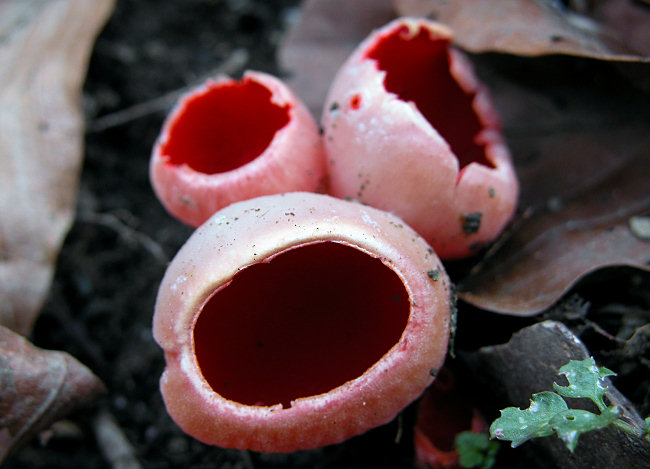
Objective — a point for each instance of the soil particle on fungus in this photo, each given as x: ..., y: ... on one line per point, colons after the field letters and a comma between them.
x: 475, y: 247
x: 434, y: 274
x: 471, y: 222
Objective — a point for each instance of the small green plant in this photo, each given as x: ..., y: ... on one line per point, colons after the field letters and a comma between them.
x: 476, y: 450
x: 549, y: 413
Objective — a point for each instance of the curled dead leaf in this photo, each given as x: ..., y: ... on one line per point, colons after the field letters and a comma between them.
x: 317, y: 45
x: 581, y: 149
x: 44, y: 49
x: 611, y: 30
x: 37, y: 388
x: 328, y: 30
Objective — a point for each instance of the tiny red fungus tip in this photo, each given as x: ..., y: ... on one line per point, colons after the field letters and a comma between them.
x: 298, y: 320
x: 443, y: 413
x: 407, y: 113
x: 228, y: 141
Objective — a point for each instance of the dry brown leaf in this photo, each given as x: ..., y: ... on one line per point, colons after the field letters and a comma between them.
x: 629, y: 19
x: 549, y: 252
x: 37, y: 388
x: 581, y: 147
x: 44, y: 49
x: 327, y: 32
x: 616, y: 30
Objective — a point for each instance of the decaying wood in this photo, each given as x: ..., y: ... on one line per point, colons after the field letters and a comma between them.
x: 528, y: 364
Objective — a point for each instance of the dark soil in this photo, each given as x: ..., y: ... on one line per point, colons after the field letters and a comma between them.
x: 101, y: 302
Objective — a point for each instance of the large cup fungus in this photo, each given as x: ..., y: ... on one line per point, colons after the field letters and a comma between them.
x: 408, y: 128
x: 229, y: 141
x: 298, y: 320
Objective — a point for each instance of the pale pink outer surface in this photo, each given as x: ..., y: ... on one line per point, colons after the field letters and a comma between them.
x: 293, y: 161
x: 253, y: 231
x: 404, y: 164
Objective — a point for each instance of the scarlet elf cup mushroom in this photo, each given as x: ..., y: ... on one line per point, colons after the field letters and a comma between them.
x: 228, y: 141
x: 408, y: 128
x: 443, y: 412
x: 299, y: 320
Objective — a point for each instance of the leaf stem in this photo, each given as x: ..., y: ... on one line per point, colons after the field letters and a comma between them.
x: 631, y: 429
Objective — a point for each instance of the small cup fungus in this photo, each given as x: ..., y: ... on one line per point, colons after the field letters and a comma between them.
x: 443, y: 412
x: 299, y: 320
x: 229, y: 141
x: 408, y: 128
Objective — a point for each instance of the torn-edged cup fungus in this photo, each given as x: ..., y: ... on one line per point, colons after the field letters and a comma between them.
x: 299, y: 320
x: 232, y: 140
x: 409, y: 129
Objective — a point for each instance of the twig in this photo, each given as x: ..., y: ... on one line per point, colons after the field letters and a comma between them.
x: 126, y: 232
x: 75, y: 328
x: 246, y: 460
x: 235, y: 62
x: 113, y: 443
x: 400, y: 428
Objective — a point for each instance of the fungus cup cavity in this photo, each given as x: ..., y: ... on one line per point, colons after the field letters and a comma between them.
x: 408, y: 128
x: 229, y: 141
x: 299, y: 320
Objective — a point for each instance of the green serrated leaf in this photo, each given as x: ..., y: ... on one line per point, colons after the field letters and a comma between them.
x: 572, y: 423
x: 585, y: 381
x: 490, y: 455
x: 519, y: 426
x: 470, y: 447
x: 475, y: 450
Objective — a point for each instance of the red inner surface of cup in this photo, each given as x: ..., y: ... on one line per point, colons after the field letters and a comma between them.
x: 306, y: 322
x: 223, y: 127
x: 417, y: 69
